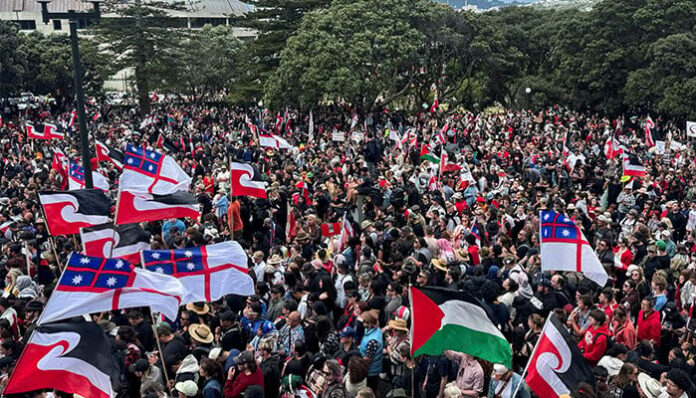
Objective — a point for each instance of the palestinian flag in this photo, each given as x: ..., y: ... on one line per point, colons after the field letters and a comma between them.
x: 445, y: 319
x: 428, y: 154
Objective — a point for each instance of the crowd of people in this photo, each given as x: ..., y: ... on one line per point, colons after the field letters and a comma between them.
x: 331, y: 317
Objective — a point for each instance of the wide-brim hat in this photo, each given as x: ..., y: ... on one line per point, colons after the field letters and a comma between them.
x: 398, y: 324
x: 651, y: 387
x: 201, y: 333
x: 275, y: 259
x: 439, y: 264
x: 198, y: 308
x: 462, y: 255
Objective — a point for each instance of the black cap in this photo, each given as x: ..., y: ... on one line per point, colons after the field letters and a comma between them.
x: 244, y: 357
x: 140, y: 365
x: 228, y: 316
x: 33, y: 306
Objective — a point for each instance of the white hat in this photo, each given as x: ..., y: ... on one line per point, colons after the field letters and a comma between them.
x: 651, y: 387
x: 215, y: 353
x: 631, y: 268
x: 499, y: 369
x: 188, y: 388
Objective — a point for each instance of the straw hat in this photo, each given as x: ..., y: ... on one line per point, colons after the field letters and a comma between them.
x: 439, y: 264
x: 398, y: 324
x: 198, y: 308
x: 275, y: 259
x: 462, y: 255
x: 201, y: 333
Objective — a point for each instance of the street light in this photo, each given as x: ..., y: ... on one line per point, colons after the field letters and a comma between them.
x: 72, y: 16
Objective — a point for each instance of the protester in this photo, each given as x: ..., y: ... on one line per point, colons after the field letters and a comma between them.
x: 348, y: 224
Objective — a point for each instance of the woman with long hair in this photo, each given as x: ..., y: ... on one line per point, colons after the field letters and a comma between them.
x: 623, y: 385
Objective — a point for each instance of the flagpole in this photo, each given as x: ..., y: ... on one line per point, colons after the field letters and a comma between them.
x: 413, y: 369
x: 531, y: 356
x: 159, y: 350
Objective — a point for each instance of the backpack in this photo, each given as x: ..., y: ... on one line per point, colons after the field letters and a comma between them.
x: 610, y: 341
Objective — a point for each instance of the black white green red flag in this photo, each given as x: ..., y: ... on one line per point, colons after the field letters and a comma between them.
x: 445, y: 319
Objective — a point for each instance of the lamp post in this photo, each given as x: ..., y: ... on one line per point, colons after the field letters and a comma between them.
x: 73, y: 17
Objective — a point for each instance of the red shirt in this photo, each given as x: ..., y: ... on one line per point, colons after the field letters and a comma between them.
x: 594, y: 343
x: 649, y: 327
x: 236, y: 387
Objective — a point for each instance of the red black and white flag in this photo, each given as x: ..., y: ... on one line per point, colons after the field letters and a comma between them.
x: 107, y: 154
x: 331, y: 229
x: 632, y: 166
x: 115, y: 241
x: 246, y: 180
x: 71, y: 357
x: 49, y: 131
x: 557, y: 366
x: 68, y: 211
x: 133, y: 207
x: 649, y: 125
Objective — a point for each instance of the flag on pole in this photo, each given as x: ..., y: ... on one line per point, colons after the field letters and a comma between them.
x: 50, y: 131
x: 445, y: 319
x: 613, y: 148
x: 331, y: 229
x: 133, y: 207
x: 207, y: 272
x: 565, y: 248
x: 107, y: 154
x: 246, y: 180
x: 68, y: 211
x: 556, y: 366
x: 94, y: 284
x: 445, y: 166
x: 649, y: 125
x: 690, y: 129
x: 436, y: 102
x: 115, y: 241
x: 354, y: 121
x: 427, y: 153
x: 76, y: 178
x: 152, y: 172
x: 71, y: 357
x: 632, y: 166
x: 310, y: 128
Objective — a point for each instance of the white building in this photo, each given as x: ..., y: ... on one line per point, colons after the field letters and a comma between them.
x: 27, y: 14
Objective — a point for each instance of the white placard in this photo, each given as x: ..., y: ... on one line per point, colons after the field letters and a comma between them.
x: 691, y: 129
x: 338, y: 136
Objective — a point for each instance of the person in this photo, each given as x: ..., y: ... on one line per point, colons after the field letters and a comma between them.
x: 333, y: 387
x: 150, y: 376
x: 173, y: 348
x: 291, y: 332
x: 624, y: 384
x: 209, y: 372
x: 469, y: 374
x: 186, y: 389
x: 371, y: 348
x: 245, y: 373
x: 596, y: 339
x: 504, y: 383
x: 270, y: 368
x: 648, y: 322
x: 624, y: 332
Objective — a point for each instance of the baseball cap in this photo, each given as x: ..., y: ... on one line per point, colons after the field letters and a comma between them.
x: 347, y: 332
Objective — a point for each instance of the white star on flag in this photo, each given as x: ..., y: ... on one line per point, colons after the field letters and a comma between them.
x: 111, y: 281
x: 188, y: 253
x: 190, y: 266
x: 565, y: 232
x: 130, y: 161
x: 150, y: 168
x: 119, y: 264
x: 156, y: 256
x: 77, y: 279
x: 160, y: 270
x: 152, y: 155
x: 546, y: 216
x: 84, y: 260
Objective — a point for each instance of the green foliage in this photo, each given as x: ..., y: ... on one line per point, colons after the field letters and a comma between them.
x: 274, y: 21
x: 146, y: 39
x: 13, y: 60
x: 208, y: 62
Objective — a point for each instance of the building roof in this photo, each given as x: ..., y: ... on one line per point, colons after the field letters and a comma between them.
x: 206, y: 8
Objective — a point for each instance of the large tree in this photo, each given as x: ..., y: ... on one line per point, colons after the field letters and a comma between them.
x: 373, y: 53
x: 208, y: 62
x: 143, y: 38
x: 274, y: 21
x: 13, y: 60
